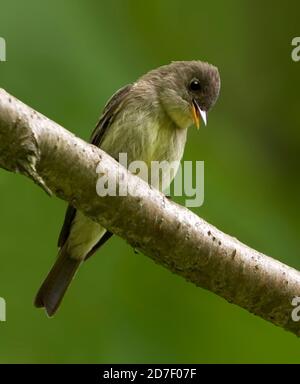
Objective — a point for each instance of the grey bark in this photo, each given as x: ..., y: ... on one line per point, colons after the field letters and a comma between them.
x: 64, y: 165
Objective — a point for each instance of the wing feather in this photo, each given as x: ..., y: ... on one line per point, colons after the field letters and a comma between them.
x: 110, y: 111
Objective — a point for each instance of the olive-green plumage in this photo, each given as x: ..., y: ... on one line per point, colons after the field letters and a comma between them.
x: 148, y: 120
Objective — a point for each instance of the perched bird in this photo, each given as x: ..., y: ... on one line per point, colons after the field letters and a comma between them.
x: 148, y: 120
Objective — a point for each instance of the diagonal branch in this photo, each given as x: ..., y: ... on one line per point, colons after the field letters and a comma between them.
x: 171, y: 235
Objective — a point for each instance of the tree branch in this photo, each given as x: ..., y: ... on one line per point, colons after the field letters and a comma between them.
x: 171, y: 235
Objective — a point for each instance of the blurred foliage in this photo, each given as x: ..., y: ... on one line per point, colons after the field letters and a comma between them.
x: 65, y: 59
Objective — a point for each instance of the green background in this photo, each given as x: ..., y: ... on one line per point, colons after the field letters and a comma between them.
x: 65, y: 59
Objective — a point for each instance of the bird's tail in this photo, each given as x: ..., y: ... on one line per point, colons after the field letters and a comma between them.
x: 57, y: 282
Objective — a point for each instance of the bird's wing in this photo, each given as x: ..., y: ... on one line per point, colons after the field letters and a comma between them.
x: 110, y: 111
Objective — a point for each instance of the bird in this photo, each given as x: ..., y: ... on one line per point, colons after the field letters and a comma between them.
x: 148, y: 120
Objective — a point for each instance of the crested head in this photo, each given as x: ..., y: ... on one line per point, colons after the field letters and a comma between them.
x: 186, y: 89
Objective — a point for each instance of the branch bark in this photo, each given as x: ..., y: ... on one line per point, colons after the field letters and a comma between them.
x: 64, y: 165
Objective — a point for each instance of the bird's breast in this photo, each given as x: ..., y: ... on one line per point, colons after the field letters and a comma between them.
x: 148, y: 139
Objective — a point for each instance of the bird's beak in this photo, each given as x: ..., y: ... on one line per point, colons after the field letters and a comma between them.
x: 198, y: 113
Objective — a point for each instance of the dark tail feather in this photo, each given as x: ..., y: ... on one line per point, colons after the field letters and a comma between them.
x: 56, y: 283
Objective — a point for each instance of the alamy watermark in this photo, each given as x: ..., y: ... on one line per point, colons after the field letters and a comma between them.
x: 295, y: 315
x: 188, y: 179
x: 296, y: 51
x: 2, y: 49
x: 2, y: 309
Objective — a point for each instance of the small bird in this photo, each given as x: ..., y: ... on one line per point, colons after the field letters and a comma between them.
x: 147, y: 120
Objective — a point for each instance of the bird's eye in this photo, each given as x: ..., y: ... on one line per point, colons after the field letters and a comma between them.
x: 195, y: 85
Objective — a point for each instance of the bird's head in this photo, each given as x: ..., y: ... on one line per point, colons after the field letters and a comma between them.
x: 187, y: 90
